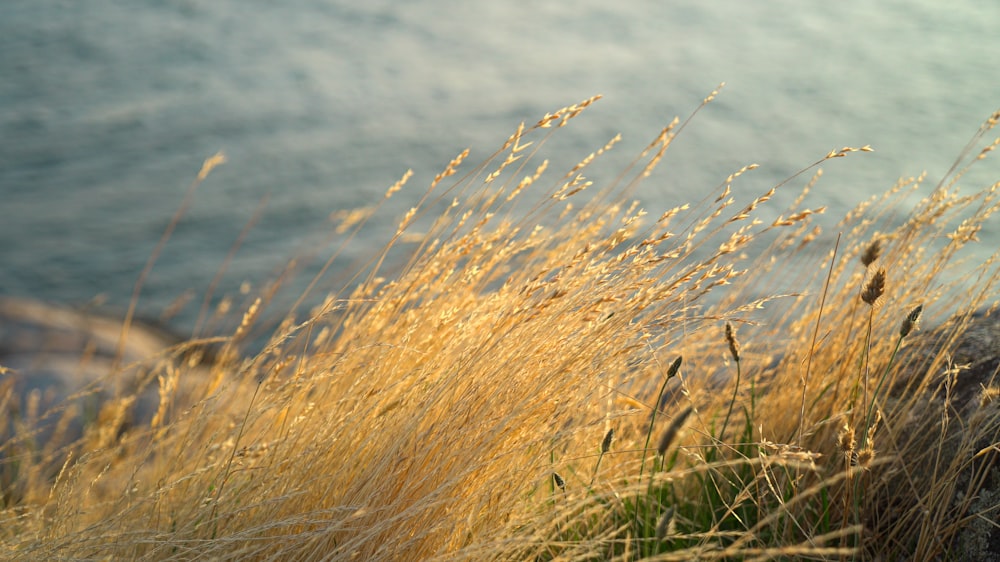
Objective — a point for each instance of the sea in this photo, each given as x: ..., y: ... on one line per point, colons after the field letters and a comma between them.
x: 108, y: 108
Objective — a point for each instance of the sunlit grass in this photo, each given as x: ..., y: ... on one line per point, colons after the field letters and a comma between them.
x: 558, y: 372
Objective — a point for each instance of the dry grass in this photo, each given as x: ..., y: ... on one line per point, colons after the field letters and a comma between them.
x: 464, y: 408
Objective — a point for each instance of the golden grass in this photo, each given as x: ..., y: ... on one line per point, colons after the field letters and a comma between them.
x: 456, y: 409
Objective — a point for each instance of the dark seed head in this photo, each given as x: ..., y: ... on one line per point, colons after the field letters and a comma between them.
x: 608, y: 438
x: 874, y: 288
x: 910, y: 322
x: 871, y: 253
x: 559, y: 481
x: 663, y: 527
x: 674, y: 367
x: 671, y: 432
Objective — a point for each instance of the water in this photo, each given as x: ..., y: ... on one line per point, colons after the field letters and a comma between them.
x: 108, y: 108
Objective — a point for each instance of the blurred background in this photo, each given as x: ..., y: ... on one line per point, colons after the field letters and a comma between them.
x: 108, y: 109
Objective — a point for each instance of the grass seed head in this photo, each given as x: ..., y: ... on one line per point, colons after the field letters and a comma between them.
x: 865, y: 458
x: 874, y: 288
x: 988, y: 396
x: 663, y: 527
x: 558, y: 479
x: 871, y: 253
x: 608, y: 438
x: 671, y: 432
x: 845, y: 440
x: 910, y: 322
x: 734, y: 346
x: 870, y: 433
x: 674, y: 367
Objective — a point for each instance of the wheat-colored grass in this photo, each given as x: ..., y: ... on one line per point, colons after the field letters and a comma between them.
x: 455, y: 409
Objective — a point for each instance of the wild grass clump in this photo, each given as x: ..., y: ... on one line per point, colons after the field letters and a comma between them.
x: 558, y: 373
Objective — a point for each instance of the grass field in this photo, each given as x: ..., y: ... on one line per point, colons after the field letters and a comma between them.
x: 556, y: 373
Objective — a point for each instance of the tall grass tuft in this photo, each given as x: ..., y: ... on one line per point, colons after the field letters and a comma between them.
x: 447, y: 407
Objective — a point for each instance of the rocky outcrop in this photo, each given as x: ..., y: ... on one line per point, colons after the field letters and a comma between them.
x: 950, y: 442
x: 61, y: 369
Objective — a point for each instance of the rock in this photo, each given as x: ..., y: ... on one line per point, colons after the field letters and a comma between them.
x: 60, y: 374
x: 951, y: 434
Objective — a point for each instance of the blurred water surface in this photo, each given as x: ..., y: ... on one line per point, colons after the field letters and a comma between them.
x: 108, y: 108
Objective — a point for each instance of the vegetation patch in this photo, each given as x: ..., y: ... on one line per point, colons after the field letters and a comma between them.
x: 557, y: 373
